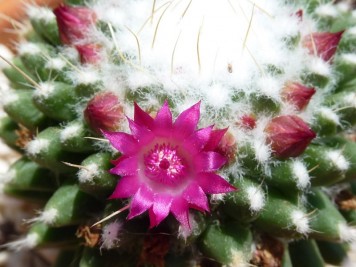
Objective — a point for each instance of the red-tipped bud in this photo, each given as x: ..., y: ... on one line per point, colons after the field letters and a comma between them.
x: 89, y: 53
x: 299, y: 14
x: 247, y: 122
x: 288, y: 135
x: 104, y: 112
x: 227, y: 147
x: 323, y: 44
x: 73, y: 23
x: 297, y: 94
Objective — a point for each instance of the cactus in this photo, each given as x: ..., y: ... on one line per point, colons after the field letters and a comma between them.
x: 186, y: 133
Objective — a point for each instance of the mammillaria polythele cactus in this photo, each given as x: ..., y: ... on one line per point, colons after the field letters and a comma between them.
x: 186, y: 133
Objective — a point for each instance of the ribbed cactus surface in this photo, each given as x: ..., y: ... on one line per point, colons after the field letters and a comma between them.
x: 186, y: 133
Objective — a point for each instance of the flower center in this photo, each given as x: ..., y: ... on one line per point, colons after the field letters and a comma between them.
x: 163, y: 164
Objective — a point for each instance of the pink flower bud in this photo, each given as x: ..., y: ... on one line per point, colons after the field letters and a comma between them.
x: 227, y: 147
x: 104, y: 112
x: 89, y: 53
x: 247, y: 122
x: 323, y: 44
x: 297, y: 94
x: 288, y: 135
x: 73, y: 23
x: 299, y: 14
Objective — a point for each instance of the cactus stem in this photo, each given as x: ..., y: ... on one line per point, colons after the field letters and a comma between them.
x: 28, y: 78
x: 70, y: 63
x: 111, y: 215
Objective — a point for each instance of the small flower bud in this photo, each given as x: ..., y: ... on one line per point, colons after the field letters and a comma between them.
x: 227, y: 147
x: 73, y: 23
x: 323, y: 44
x: 297, y: 94
x: 288, y: 135
x: 104, y: 112
x: 247, y: 122
x: 89, y: 54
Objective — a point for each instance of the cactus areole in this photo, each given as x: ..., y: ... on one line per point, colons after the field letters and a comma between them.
x: 185, y: 133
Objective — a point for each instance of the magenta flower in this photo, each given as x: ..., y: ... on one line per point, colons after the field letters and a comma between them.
x: 73, y: 23
x: 324, y: 44
x: 168, y: 167
x: 297, y: 94
x: 289, y: 136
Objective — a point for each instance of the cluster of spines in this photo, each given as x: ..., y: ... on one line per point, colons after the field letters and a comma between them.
x: 287, y: 204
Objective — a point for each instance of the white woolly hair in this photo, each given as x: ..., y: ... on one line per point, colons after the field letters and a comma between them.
x: 47, y: 216
x: 338, y: 160
x: 45, y: 89
x: 40, y: 13
x: 8, y: 176
x: 300, y: 221
x: 36, y: 146
x: 88, y: 172
x: 300, y: 174
x: 256, y: 198
x: 70, y: 131
x: 347, y: 233
x: 28, y: 242
x: 110, y: 235
x: 7, y: 54
x: 27, y: 48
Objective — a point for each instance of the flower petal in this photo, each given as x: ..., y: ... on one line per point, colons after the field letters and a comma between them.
x: 197, y: 141
x: 209, y: 161
x: 180, y: 210
x: 196, y: 197
x: 161, y: 207
x: 163, y: 120
x: 212, y: 183
x: 126, y: 187
x: 142, y: 201
x: 215, y: 138
x: 143, y: 118
x: 123, y: 142
x: 187, y: 121
x: 125, y: 166
x: 142, y: 134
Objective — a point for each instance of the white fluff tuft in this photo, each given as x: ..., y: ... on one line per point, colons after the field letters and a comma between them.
x: 330, y: 115
x: 256, y: 198
x: 40, y: 13
x: 70, y: 131
x: 109, y: 236
x: 7, y: 177
x: 47, y: 217
x: 327, y: 10
x: 349, y: 58
x: 320, y: 67
x: 347, y: 233
x: 338, y: 159
x: 301, y: 174
x: 37, y: 146
x: 300, y: 221
x: 55, y: 64
x: 28, y: 49
x: 88, y: 173
x: 45, y: 89
x: 9, y: 98
x: 29, y: 242
x: 7, y: 54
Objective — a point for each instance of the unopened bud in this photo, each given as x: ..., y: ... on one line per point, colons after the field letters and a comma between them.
x: 89, y: 54
x: 104, y: 112
x: 288, y: 135
x: 323, y: 44
x: 73, y: 23
x: 297, y: 94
